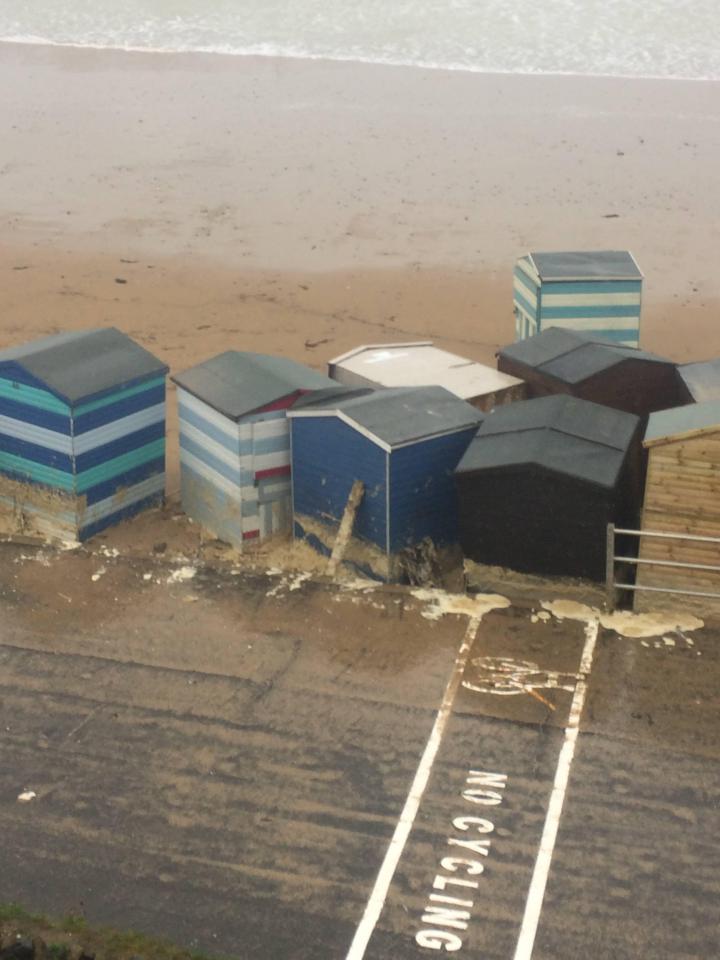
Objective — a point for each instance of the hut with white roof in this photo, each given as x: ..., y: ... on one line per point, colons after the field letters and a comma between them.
x: 421, y: 364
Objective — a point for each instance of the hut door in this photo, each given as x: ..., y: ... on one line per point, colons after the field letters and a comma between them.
x: 271, y: 466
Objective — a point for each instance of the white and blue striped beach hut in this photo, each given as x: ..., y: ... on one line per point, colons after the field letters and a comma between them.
x: 597, y: 293
x: 234, y: 442
x: 82, y: 433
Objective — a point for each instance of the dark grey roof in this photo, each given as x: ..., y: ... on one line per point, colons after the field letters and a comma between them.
x: 702, y: 379
x: 399, y: 415
x: 328, y: 396
x: 672, y: 423
x: 571, y: 357
x: 80, y: 365
x: 235, y: 383
x: 561, y: 433
x: 586, y: 265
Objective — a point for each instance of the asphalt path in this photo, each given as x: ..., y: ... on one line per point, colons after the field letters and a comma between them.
x: 225, y: 761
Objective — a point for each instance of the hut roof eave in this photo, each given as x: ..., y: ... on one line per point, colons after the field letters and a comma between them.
x: 85, y: 364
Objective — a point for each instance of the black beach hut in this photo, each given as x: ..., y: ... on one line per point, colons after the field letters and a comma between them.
x: 540, y: 482
x: 565, y: 361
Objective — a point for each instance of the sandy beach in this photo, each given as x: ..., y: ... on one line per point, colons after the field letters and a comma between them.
x: 207, y: 202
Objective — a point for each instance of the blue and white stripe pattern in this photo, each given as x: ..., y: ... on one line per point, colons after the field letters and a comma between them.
x: 235, y: 475
x: 607, y: 309
x: 73, y: 470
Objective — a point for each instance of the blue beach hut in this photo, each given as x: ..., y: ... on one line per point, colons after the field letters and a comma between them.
x: 82, y: 433
x: 597, y: 293
x: 234, y: 442
x: 403, y: 445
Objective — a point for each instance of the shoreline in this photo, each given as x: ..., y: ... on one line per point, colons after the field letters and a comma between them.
x: 300, y: 57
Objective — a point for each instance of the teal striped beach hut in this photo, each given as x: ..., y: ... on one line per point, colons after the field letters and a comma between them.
x: 82, y: 433
x: 597, y: 293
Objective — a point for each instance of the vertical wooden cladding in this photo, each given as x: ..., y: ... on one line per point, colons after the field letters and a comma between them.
x: 682, y: 495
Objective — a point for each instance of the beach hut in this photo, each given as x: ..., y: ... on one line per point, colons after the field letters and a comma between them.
x: 564, y: 361
x: 682, y: 495
x: 234, y: 442
x: 82, y: 433
x: 540, y: 482
x: 402, y: 444
x: 420, y: 364
x: 700, y: 381
x: 597, y: 292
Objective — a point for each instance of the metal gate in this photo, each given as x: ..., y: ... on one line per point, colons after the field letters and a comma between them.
x: 612, y: 585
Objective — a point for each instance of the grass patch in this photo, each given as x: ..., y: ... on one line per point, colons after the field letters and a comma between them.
x: 64, y: 935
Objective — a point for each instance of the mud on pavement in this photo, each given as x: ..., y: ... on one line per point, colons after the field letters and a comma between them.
x: 225, y: 760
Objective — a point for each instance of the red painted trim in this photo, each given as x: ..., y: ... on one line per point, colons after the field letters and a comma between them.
x: 283, y: 471
x: 284, y: 403
x: 251, y: 534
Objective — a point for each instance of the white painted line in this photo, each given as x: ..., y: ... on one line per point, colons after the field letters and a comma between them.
x: 404, y: 825
x: 536, y: 893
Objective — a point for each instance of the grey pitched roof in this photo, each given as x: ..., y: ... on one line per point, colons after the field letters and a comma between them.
x: 561, y: 433
x: 324, y: 398
x: 586, y: 265
x: 571, y: 357
x: 80, y: 365
x: 666, y: 424
x: 235, y: 383
x: 702, y: 379
x: 399, y: 415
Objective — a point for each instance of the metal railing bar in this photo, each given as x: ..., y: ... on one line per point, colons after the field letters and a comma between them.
x: 668, y: 536
x: 687, y: 593
x: 671, y: 563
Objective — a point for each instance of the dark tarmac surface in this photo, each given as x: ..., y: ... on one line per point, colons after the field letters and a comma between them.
x: 224, y: 760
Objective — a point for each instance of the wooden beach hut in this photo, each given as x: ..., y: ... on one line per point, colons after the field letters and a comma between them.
x: 700, y: 382
x: 402, y: 444
x: 234, y: 442
x: 682, y: 495
x: 560, y: 361
x: 421, y: 364
x: 541, y: 480
x: 597, y: 292
x: 82, y: 433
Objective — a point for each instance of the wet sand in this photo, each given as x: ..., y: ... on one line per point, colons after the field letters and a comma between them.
x: 202, y: 203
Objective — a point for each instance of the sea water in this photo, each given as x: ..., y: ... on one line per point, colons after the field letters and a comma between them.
x: 635, y: 38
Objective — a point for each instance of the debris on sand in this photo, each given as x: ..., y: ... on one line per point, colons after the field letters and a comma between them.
x: 181, y: 575
x: 26, y: 796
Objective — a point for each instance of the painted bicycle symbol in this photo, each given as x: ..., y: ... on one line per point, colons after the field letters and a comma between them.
x: 506, y: 677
